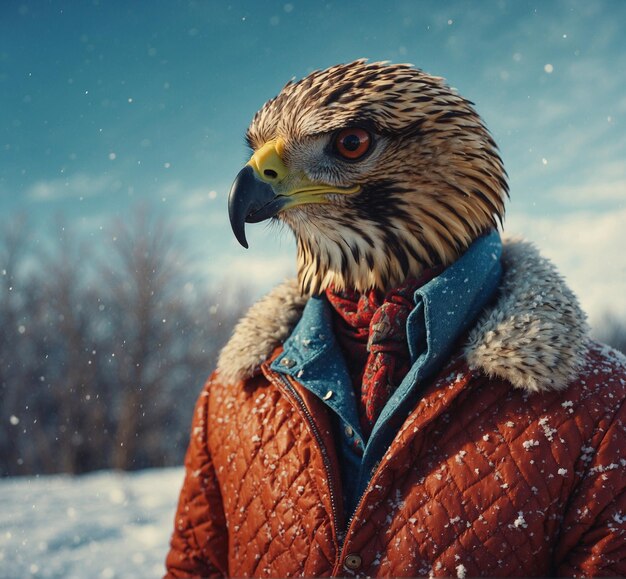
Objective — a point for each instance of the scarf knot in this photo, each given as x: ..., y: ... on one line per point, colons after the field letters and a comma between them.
x: 371, y: 331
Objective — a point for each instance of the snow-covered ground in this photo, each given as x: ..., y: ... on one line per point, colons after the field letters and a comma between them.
x: 102, y: 525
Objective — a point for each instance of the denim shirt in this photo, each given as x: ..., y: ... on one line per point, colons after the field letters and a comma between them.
x: 445, y: 308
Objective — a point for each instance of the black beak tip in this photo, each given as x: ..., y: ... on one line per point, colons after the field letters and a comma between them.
x: 250, y: 200
x: 243, y: 241
x: 238, y: 205
x: 240, y: 232
x: 237, y: 217
x: 239, y: 229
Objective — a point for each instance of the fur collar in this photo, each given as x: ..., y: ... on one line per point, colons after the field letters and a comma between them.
x: 534, y: 336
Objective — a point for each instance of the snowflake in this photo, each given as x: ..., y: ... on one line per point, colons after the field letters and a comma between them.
x: 520, y: 521
x: 528, y: 444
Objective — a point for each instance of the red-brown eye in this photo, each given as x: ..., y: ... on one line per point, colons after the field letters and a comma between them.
x: 352, y: 143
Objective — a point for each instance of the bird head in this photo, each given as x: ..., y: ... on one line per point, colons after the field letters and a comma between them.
x: 380, y: 170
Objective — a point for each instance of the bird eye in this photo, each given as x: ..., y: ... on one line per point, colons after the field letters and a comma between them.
x: 352, y: 144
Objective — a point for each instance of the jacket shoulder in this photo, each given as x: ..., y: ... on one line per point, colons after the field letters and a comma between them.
x: 603, y: 365
x: 266, y: 325
x: 535, y: 335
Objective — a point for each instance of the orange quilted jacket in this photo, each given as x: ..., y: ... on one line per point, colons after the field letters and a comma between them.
x: 511, y: 464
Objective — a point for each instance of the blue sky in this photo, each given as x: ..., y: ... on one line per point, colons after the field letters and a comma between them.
x: 107, y: 104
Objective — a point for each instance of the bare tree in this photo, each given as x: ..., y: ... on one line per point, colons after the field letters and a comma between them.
x: 12, y: 249
x: 612, y: 330
x: 167, y: 337
x: 104, y: 348
x: 80, y: 410
x: 143, y: 288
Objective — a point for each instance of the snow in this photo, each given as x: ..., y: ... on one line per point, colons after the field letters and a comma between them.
x: 520, y: 521
x: 547, y: 430
x: 104, y: 525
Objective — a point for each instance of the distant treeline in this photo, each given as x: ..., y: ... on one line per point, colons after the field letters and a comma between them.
x: 104, y: 347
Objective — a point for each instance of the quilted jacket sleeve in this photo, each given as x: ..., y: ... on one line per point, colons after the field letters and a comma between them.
x: 199, y: 544
x: 593, y: 534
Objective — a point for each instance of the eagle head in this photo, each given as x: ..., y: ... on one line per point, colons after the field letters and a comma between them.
x: 380, y: 170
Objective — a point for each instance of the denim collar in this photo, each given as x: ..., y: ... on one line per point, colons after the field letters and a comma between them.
x: 445, y: 308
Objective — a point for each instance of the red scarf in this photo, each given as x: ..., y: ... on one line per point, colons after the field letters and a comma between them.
x: 371, y: 330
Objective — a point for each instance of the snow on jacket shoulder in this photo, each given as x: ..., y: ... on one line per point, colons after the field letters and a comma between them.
x: 511, y: 464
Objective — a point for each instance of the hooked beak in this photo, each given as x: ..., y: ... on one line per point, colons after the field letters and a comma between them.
x: 265, y: 187
x: 250, y: 201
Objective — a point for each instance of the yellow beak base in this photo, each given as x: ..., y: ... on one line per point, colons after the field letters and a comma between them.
x: 265, y: 187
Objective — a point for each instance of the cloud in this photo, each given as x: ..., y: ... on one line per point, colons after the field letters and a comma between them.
x: 257, y: 273
x: 221, y: 261
x: 195, y: 206
x: 588, y: 248
x: 262, y: 272
x: 591, y: 192
x: 200, y: 199
x: 77, y: 186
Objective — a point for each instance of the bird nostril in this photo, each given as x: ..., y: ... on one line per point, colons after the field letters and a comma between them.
x: 270, y: 173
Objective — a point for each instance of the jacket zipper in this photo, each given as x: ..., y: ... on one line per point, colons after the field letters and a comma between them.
x: 361, y: 499
x: 325, y: 457
x: 341, y: 535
